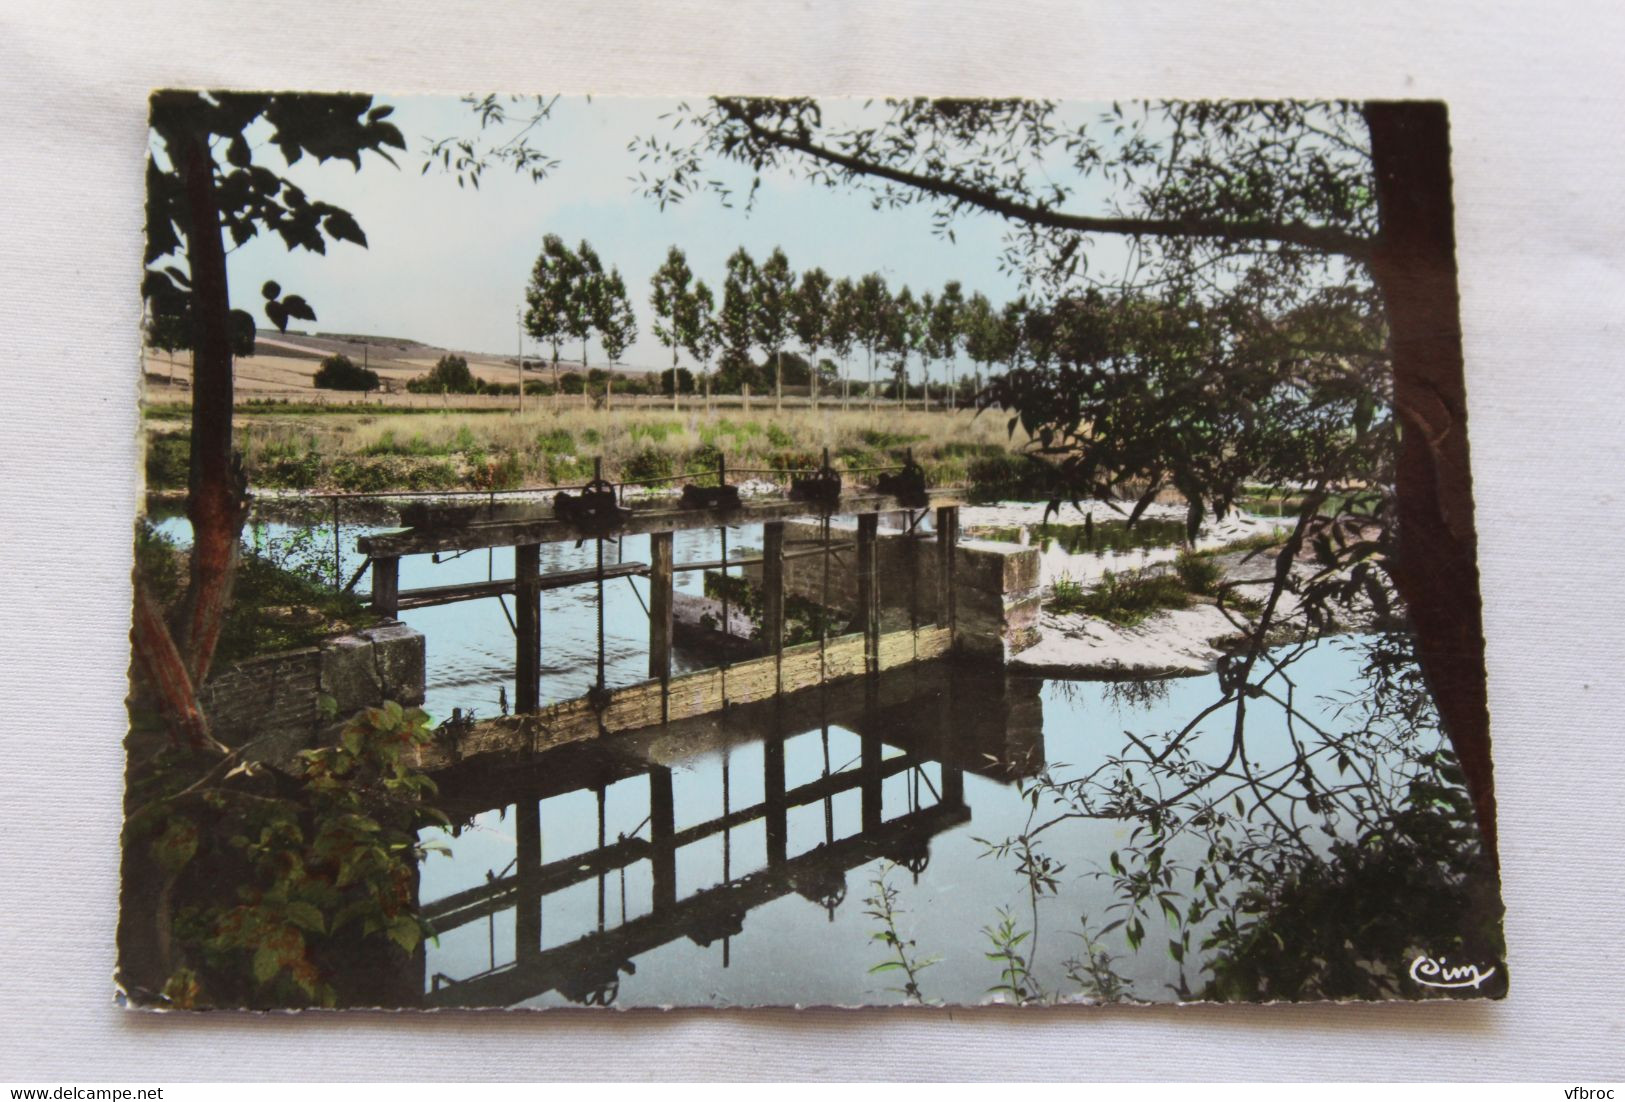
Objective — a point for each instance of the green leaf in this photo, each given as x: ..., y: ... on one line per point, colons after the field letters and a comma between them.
x: 306, y: 916
x: 404, y: 931
x: 886, y: 966
x: 175, y: 846
x: 266, y: 963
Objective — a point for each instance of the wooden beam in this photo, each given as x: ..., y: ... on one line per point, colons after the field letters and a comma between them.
x: 660, y: 604
x: 662, y: 516
x: 773, y: 595
x: 428, y: 596
x: 527, y: 562
x: 869, y: 589
x: 756, y: 560
x: 386, y: 586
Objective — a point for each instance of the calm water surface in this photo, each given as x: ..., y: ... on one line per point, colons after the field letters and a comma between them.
x: 728, y: 861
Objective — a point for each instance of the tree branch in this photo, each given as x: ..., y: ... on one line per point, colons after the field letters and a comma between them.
x: 1327, y: 240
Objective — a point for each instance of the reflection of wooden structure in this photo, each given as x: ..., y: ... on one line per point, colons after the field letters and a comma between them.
x: 928, y: 712
x: 664, y: 697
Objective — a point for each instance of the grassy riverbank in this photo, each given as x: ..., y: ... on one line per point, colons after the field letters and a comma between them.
x: 469, y: 450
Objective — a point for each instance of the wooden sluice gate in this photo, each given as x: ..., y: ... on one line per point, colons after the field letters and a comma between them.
x: 599, y: 514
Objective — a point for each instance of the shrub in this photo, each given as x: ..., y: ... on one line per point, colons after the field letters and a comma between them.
x: 649, y: 463
x: 556, y: 441
x: 339, y: 373
x: 169, y: 460
x: 1015, y: 477
x: 432, y: 476
x: 1125, y: 599
x: 1199, y: 573
x: 502, y: 472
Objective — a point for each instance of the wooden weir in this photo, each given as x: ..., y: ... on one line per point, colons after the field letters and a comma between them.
x: 664, y: 697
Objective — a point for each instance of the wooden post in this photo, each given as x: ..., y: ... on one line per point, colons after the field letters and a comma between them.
x: 660, y: 602
x: 527, y: 925
x: 773, y: 595
x: 527, y: 565
x: 947, y: 541
x: 872, y: 784
x: 776, y: 821
x: 386, y: 587
x: 869, y: 589
x: 662, y: 831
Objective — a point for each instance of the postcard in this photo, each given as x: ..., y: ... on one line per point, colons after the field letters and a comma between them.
x: 729, y: 551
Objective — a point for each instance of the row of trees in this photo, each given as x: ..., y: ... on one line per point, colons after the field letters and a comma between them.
x: 766, y: 307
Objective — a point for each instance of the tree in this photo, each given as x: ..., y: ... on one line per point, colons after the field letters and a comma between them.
x: 981, y: 333
x: 871, y: 311
x: 1250, y: 201
x: 773, y: 294
x: 811, y: 311
x: 339, y: 372
x: 842, y: 329
x: 737, y: 321
x: 204, y: 187
x: 669, y: 294
x: 450, y: 376
x: 550, y: 314
x: 700, y: 329
x: 675, y: 381
x: 901, y: 336
x: 612, y: 316
x: 586, y: 297
x: 943, y: 333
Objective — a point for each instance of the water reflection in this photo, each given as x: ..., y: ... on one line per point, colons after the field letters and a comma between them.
x: 572, y: 867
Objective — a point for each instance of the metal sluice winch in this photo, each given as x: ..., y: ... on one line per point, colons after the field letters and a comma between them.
x: 822, y: 486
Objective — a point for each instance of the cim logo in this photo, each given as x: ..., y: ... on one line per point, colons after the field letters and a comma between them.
x: 1440, y: 973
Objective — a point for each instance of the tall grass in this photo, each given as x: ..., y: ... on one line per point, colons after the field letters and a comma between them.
x: 475, y: 450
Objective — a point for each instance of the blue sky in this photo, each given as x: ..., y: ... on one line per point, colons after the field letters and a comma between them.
x: 448, y: 266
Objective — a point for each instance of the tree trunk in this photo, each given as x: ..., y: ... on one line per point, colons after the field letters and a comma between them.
x: 217, y: 502
x: 1414, y: 265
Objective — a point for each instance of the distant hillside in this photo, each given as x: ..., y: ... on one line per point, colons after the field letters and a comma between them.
x: 284, y: 364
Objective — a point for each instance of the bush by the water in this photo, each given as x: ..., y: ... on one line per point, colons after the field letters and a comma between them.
x: 1125, y: 598
x: 283, y: 595
x: 339, y: 372
x: 1200, y: 573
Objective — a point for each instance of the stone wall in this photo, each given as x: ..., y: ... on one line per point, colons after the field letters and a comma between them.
x: 272, y: 701
x: 996, y: 593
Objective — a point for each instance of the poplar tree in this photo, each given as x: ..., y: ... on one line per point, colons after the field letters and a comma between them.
x: 773, y: 317
x: 669, y: 297
x: 811, y: 308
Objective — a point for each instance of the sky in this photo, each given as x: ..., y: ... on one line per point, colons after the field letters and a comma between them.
x: 448, y: 266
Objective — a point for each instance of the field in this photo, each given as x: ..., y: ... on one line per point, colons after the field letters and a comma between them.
x: 356, y: 449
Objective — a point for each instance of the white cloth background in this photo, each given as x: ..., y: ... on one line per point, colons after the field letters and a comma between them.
x: 1536, y: 110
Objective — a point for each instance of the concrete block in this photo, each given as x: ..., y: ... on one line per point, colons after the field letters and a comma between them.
x: 400, y: 655
x: 349, y: 673
x: 996, y: 567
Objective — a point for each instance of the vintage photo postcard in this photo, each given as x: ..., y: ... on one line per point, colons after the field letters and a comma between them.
x: 733, y: 552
